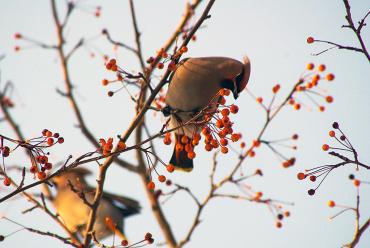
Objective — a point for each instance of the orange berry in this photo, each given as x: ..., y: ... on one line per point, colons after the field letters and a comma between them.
x: 105, y: 82
x: 286, y: 213
x: 183, y: 49
x: 48, y: 134
x: 301, y: 176
x: 297, y: 106
x: 114, y: 68
x: 17, y: 36
x: 225, y: 112
x: 179, y: 147
x: 234, y: 109
x: 170, y: 168
x: 121, y: 145
x: 208, y: 147
x: 332, y: 133
x: 223, y: 142
x: 151, y: 185
x: 50, y: 141
x: 310, y: 66
x: 41, y: 175
x: 321, y: 68
x: 330, y: 77
x: 214, y: 143
x: 329, y: 99
x: 7, y: 181
x: 356, y: 182
x: 256, y: 143
x: 172, y: 66
x: 224, y: 149
x: 184, y: 139
x: 161, y: 178
x: 235, y: 137
x: 160, y: 65
x: 259, y: 99
x: 191, y: 155
x: 242, y: 145
x: 276, y: 88
x: 167, y: 141
x: 321, y: 108
x: 278, y: 224
x: 331, y: 204
x: 310, y: 40
x: 222, y: 101
x: 17, y: 48
x: 325, y: 147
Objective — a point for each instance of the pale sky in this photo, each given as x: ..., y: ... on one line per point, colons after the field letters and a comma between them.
x: 273, y: 35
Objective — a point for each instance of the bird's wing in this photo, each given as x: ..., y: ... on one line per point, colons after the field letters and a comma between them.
x: 126, y: 205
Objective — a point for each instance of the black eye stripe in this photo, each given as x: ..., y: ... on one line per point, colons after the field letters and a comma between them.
x: 227, y: 84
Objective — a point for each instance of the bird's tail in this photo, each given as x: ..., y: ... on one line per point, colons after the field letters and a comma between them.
x: 180, y: 159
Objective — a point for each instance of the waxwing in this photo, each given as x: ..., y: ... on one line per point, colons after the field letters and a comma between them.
x: 193, y: 87
x: 75, y: 213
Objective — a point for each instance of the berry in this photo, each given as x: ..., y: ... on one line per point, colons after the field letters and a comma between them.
x: 160, y: 65
x: 105, y: 82
x: 151, y: 185
x: 310, y: 66
x: 356, y: 182
x: 332, y: 133
x: 310, y: 40
x: 60, y: 140
x: 335, y: 125
x: 148, y: 236
x: 325, y: 147
x: 234, y: 109
x: 41, y: 175
x: 321, y: 68
x: 161, y: 178
x: 331, y: 204
x: 301, y: 176
x: 330, y: 77
x: 124, y: 243
x: 7, y: 181
x: 311, y: 191
x: 121, y: 145
x: 329, y: 99
x: 170, y: 168
x: 224, y: 149
x: 50, y: 141
x: 351, y: 177
x: 313, y: 178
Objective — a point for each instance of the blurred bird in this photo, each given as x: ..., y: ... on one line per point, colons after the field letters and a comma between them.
x: 75, y: 213
x: 194, y: 86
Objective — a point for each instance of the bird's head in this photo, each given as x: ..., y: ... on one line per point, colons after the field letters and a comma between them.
x: 75, y: 176
x: 237, y: 82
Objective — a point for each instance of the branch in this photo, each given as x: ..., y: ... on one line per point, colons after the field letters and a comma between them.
x: 69, y: 88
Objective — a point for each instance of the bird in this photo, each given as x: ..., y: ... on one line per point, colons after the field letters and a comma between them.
x: 193, y: 86
x: 71, y: 188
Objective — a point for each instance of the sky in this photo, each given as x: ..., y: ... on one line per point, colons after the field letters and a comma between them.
x: 273, y: 35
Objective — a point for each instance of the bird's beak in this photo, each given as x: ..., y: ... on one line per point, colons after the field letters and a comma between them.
x: 235, y: 91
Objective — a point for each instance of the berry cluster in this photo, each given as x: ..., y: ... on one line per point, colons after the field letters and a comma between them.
x: 36, y: 149
x: 324, y: 170
x: 107, y: 146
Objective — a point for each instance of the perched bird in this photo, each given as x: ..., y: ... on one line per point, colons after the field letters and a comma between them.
x: 71, y: 187
x: 194, y: 86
